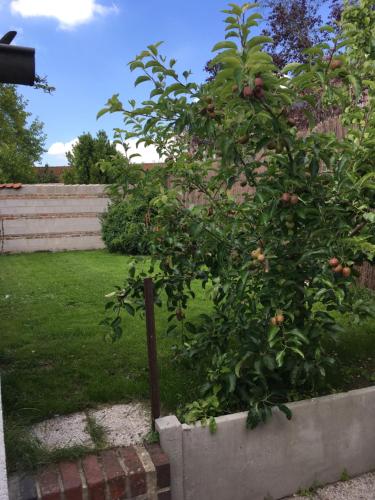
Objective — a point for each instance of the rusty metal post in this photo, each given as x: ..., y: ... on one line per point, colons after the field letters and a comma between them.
x: 151, y: 350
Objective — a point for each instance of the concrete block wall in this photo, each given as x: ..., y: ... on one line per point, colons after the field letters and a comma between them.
x: 326, y: 436
x: 51, y: 217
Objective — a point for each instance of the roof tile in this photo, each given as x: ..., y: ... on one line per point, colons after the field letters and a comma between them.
x: 17, y: 185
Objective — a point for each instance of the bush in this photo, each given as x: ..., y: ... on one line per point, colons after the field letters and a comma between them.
x: 46, y: 175
x: 127, y: 225
x: 124, y: 229
x: 69, y: 176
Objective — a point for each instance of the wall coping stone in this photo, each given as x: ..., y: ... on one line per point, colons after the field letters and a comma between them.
x: 55, y: 189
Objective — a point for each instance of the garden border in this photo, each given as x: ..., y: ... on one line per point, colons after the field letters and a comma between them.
x: 326, y: 436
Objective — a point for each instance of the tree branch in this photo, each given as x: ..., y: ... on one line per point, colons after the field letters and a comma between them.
x: 357, y: 228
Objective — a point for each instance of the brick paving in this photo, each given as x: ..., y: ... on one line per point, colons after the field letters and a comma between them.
x: 133, y: 472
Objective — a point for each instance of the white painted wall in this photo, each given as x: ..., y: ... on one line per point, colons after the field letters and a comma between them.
x: 51, y: 217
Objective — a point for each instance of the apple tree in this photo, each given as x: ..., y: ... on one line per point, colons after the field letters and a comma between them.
x: 279, y: 263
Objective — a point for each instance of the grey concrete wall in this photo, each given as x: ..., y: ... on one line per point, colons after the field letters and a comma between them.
x: 51, y: 217
x: 325, y: 436
x: 3, y: 472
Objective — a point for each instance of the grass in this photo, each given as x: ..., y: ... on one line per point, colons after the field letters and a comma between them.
x: 354, y: 354
x: 344, y: 476
x: 24, y: 452
x: 309, y: 492
x: 97, y: 433
x: 54, y: 359
x: 53, y: 356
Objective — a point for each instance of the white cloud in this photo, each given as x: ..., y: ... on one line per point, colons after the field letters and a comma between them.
x: 69, y: 13
x: 57, y: 151
x: 61, y: 148
x: 148, y: 153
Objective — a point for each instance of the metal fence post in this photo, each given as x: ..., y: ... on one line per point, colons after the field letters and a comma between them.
x: 151, y: 350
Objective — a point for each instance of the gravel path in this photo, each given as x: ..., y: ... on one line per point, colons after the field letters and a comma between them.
x: 121, y: 425
x: 359, y: 488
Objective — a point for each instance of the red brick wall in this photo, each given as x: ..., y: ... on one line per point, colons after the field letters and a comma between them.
x: 132, y: 472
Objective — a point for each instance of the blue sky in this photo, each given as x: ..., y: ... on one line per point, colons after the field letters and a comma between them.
x: 83, y: 46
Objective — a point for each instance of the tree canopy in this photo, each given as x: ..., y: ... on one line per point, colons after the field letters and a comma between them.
x: 21, y: 142
x: 85, y: 159
x: 279, y: 262
x: 294, y: 26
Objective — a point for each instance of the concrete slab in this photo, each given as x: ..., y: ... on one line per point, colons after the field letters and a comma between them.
x: 124, y: 424
x: 63, y: 432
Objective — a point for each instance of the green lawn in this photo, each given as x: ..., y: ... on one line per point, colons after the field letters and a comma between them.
x: 54, y: 359
x: 53, y: 356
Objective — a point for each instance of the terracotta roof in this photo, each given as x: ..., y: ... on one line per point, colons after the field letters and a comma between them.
x: 11, y: 186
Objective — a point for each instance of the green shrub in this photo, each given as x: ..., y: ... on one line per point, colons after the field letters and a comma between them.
x: 124, y: 229
x: 128, y: 224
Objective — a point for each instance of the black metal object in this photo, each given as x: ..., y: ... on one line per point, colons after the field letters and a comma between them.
x: 151, y: 350
x: 17, y: 64
x: 8, y: 37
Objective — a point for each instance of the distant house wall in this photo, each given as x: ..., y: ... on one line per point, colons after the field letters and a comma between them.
x: 56, y: 171
x: 51, y: 217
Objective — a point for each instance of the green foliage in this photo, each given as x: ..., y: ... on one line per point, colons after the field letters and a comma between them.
x: 97, y: 433
x: 265, y: 259
x: 85, y: 159
x: 203, y: 410
x: 344, y: 476
x: 26, y: 453
x: 52, y: 355
x: 46, y: 175
x: 69, y: 176
x: 130, y: 219
x: 124, y: 229
x: 50, y: 340
x: 309, y: 492
x: 152, y: 437
x: 21, y: 143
